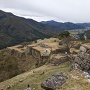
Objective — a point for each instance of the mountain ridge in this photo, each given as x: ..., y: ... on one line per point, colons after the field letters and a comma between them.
x: 64, y: 25
x: 15, y: 30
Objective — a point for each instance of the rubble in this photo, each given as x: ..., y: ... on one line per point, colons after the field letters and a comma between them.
x: 53, y: 82
x: 83, y: 57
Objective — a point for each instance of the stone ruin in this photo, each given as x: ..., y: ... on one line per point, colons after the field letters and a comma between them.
x: 58, y: 61
x: 42, y: 51
x: 43, y: 45
x: 82, y: 60
x: 18, y: 50
x: 55, y: 81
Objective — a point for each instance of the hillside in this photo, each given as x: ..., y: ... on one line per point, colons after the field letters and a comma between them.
x: 26, y: 68
x: 74, y: 82
x: 63, y: 26
x: 87, y: 25
x: 11, y: 65
x: 17, y: 59
x: 14, y: 30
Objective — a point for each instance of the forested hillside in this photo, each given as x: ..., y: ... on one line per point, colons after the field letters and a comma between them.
x: 63, y: 26
x: 15, y: 30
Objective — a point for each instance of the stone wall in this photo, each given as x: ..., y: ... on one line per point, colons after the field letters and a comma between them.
x: 16, y: 53
x: 83, y: 57
x: 58, y: 61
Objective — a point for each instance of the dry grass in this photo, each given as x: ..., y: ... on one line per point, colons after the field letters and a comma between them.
x: 74, y: 82
x: 74, y: 50
x: 34, y: 79
x: 18, y: 48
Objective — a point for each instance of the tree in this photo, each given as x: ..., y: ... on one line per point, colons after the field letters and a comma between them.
x: 67, y: 40
x: 64, y: 34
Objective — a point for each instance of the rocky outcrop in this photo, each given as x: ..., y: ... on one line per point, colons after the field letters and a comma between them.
x: 18, y: 50
x: 55, y: 81
x: 83, y: 57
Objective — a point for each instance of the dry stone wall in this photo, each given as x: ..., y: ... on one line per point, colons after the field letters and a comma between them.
x: 83, y: 57
x: 58, y: 61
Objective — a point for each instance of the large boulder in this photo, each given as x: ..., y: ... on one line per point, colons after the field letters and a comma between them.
x: 55, y: 81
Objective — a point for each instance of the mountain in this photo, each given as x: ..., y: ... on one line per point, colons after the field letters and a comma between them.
x: 84, y: 24
x: 15, y: 30
x: 63, y: 26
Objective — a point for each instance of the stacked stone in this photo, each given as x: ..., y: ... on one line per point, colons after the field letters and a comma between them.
x: 83, y: 57
x: 59, y: 61
x: 55, y: 81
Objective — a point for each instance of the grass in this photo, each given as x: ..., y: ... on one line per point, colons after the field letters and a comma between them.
x: 78, y: 83
x: 12, y: 65
x: 35, y: 79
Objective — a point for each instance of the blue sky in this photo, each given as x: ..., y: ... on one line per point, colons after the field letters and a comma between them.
x: 43, y: 10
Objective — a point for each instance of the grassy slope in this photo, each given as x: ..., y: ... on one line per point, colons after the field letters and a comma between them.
x: 11, y: 66
x: 76, y: 82
x: 35, y: 79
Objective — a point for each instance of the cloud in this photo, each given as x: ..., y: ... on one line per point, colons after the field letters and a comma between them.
x: 60, y: 10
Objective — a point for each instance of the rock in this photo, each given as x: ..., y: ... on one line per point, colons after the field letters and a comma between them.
x: 81, y: 54
x: 83, y: 57
x: 83, y: 49
x: 42, y: 73
x: 58, y: 61
x: 55, y: 81
x: 9, y: 86
x: 71, y: 58
x: 28, y: 88
x: 21, y: 80
x: 86, y: 74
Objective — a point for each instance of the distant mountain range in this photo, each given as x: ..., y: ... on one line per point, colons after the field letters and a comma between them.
x: 63, y: 26
x: 15, y: 30
x: 84, y: 24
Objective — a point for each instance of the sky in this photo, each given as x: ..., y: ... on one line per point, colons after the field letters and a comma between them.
x: 42, y: 10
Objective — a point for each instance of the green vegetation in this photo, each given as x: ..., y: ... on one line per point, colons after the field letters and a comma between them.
x: 67, y: 40
x: 63, y: 26
x: 8, y: 66
x: 64, y: 34
x: 15, y: 30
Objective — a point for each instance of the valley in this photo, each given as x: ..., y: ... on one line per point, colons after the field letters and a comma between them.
x: 46, y: 55
x: 15, y: 30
